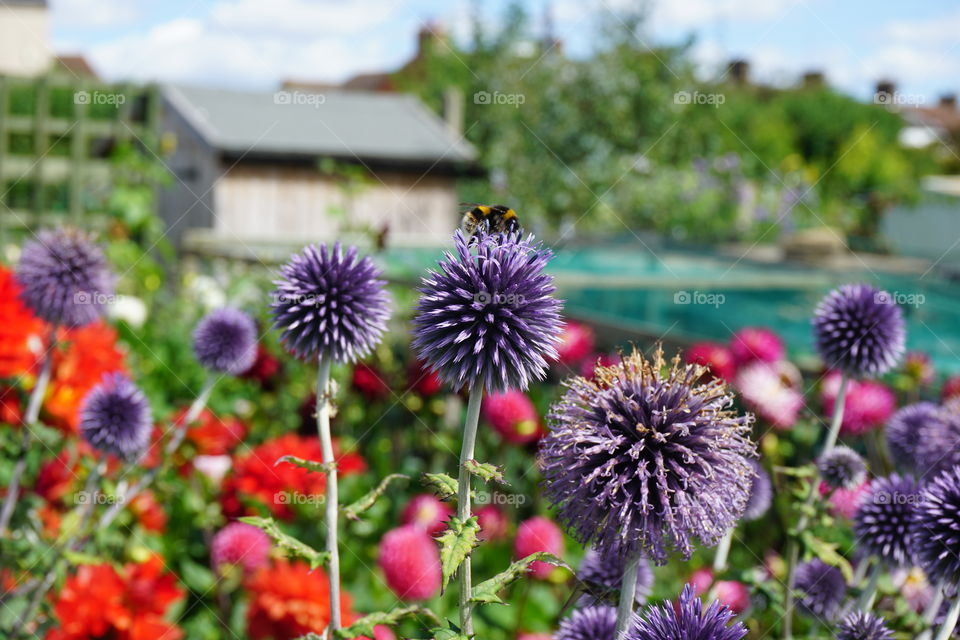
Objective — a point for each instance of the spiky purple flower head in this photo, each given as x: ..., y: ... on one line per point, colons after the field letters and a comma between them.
x: 842, y: 468
x: 330, y: 303
x: 761, y: 493
x: 602, y: 576
x: 906, y: 429
x: 65, y: 278
x: 935, y: 534
x: 488, y: 314
x: 882, y: 521
x: 225, y: 340
x: 115, y: 417
x: 822, y: 587
x: 642, y: 458
x: 938, y: 447
x: 859, y: 329
x: 589, y: 623
x: 688, y: 621
x: 863, y: 626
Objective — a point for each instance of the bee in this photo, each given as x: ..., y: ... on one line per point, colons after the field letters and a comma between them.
x: 482, y: 218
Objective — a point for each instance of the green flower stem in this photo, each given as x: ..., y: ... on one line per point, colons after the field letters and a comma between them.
x: 951, y: 620
x: 930, y: 615
x: 331, y: 505
x: 723, y: 550
x: 33, y: 413
x: 865, y: 603
x: 628, y: 595
x: 463, y: 501
x: 793, y: 549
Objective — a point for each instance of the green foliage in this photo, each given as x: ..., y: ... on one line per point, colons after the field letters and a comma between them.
x: 486, y: 471
x: 602, y: 144
x: 364, y: 626
x: 309, y: 465
x: 353, y: 510
x: 456, y: 543
x: 442, y: 485
x: 486, y: 592
x: 287, y: 542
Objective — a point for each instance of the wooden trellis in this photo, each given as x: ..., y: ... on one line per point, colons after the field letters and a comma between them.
x: 57, y: 134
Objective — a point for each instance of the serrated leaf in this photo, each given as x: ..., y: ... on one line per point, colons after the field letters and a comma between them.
x: 486, y: 471
x: 309, y: 465
x: 486, y: 591
x: 287, y: 542
x: 364, y: 626
x: 354, y: 510
x: 448, y: 634
x: 456, y: 543
x: 442, y: 485
x: 827, y: 551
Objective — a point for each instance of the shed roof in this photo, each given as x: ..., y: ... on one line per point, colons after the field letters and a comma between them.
x: 388, y: 127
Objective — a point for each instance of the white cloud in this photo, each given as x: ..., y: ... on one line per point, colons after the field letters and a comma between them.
x: 206, y: 51
x: 304, y: 18
x: 93, y: 14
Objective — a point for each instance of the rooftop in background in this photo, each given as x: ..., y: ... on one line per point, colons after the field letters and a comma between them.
x: 374, y: 127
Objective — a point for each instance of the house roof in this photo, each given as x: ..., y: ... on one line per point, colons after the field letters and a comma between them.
x: 394, y: 128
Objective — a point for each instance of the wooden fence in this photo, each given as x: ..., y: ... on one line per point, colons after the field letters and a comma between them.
x: 57, y: 137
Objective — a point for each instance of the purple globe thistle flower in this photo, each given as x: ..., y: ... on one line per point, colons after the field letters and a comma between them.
x: 906, y: 430
x: 859, y: 330
x: 688, y: 621
x: 602, y: 576
x: 330, y: 303
x: 938, y: 447
x: 115, y: 417
x: 65, y: 278
x: 842, y: 468
x: 863, y: 626
x: 761, y: 493
x: 488, y: 314
x: 823, y: 588
x: 935, y: 534
x: 225, y: 340
x: 641, y: 458
x: 590, y: 623
x: 882, y: 521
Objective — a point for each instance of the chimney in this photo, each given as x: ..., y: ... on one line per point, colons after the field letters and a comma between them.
x: 949, y: 101
x: 813, y: 79
x: 739, y: 71
x: 886, y: 89
x: 453, y: 110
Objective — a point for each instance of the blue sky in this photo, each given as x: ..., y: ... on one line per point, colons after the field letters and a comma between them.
x: 256, y: 43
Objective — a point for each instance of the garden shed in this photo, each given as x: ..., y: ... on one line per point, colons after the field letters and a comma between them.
x: 292, y: 165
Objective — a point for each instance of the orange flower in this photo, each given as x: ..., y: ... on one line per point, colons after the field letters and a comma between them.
x: 254, y: 476
x: 21, y: 333
x: 213, y: 435
x: 150, y: 514
x: 98, y: 602
x: 288, y: 600
x: 91, y: 352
